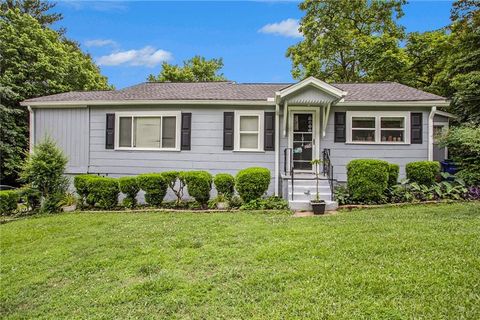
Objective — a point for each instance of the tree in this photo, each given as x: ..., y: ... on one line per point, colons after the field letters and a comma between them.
x: 35, y: 8
x: 35, y: 61
x: 196, y: 69
x: 349, y: 40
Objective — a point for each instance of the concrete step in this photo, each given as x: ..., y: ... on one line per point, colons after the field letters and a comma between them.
x: 305, y: 205
x: 302, y: 196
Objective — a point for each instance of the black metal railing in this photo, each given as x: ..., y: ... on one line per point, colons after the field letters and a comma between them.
x: 328, y: 169
x: 288, y: 165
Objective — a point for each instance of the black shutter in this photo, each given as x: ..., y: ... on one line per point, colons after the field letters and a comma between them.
x: 416, y: 128
x: 228, y: 118
x: 340, y: 127
x: 110, y: 131
x: 186, y: 131
x: 269, y: 131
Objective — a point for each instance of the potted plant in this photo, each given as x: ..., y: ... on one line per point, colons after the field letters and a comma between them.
x: 221, y: 202
x: 69, y: 203
x: 318, y: 205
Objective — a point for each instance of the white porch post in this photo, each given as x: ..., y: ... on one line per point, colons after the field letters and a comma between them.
x: 430, y: 133
x: 277, y: 149
x: 32, y: 128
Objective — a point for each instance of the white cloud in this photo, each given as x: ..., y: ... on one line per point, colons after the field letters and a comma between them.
x: 286, y: 28
x: 147, y: 56
x: 100, y: 43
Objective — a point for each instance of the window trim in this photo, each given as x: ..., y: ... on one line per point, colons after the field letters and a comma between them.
x: 143, y: 114
x: 236, y: 140
x: 378, y: 130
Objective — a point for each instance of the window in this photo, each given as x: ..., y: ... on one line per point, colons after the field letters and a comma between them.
x: 388, y: 127
x: 249, y: 130
x: 149, y: 131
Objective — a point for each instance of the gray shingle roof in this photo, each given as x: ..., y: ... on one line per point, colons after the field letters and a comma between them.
x: 380, y: 91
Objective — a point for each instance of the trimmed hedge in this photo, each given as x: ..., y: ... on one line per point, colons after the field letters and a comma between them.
x: 423, y: 172
x: 80, y: 182
x: 199, y: 185
x: 252, y: 183
x: 171, y: 177
x: 367, y: 179
x: 103, y: 192
x: 225, y: 184
x: 393, y: 170
x: 129, y: 187
x: 8, y: 201
x: 155, y: 187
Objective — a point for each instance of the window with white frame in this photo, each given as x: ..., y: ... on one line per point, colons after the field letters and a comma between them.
x: 383, y: 127
x: 249, y: 130
x: 148, y: 131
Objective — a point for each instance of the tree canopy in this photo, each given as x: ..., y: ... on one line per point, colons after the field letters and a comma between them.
x: 196, y: 69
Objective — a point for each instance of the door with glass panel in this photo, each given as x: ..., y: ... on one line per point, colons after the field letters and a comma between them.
x: 303, y: 141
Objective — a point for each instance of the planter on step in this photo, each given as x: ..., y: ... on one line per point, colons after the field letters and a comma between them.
x: 318, y: 206
x: 71, y: 208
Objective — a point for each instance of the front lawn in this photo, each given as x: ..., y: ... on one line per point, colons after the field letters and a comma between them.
x: 394, y: 263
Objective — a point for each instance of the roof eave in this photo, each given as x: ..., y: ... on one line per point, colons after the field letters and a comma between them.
x: 412, y: 103
x: 145, y: 102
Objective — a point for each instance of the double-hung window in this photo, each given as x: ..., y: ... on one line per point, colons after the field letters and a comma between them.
x: 387, y: 127
x: 249, y: 130
x: 148, y: 131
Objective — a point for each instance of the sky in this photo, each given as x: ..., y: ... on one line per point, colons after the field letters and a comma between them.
x: 130, y: 40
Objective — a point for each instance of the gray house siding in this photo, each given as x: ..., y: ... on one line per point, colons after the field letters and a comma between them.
x: 342, y: 153
x: 69, y: 127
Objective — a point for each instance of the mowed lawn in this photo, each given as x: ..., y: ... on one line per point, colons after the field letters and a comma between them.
x: 393, y: 263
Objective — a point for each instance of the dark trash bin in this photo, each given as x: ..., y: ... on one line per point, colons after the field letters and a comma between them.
x: 449, y: 166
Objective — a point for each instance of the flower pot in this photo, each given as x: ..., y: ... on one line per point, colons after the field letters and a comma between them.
x: 318, y: 207
x: 222, y: 205
x: 71, y: 208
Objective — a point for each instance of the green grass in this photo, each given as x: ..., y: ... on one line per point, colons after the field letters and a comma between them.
x: 395, y: 263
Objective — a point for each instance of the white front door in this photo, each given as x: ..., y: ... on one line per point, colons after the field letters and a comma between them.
x: 303, y: 138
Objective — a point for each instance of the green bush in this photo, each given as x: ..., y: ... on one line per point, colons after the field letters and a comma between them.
x: 199, y: 185
x: 155, y: 187
x: 172, y: 177
x: 80, y: 182
x: 129, y: 187
x: 252, y: 183
x: 31, y: 197
x: 393, y: 170
x: 103, y: 192
x: 423, y: 172
x: 225, y: 184
x: 270, y: 203
x: 367, y: 180
x: 463, y: 144
x: 8, y: 201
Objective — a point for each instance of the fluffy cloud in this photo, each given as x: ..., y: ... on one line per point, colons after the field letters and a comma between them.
x: 100, y: 43
x: 286, y: 28
x: 147, y: 56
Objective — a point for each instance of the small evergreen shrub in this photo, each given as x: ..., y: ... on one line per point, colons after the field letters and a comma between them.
x: 423, y: 172
x: 129, y: 187
x: 31, y: 197
x: 367, y: 180
x: 225, y: 184
x: 199, y: 185
x: 80, y: 182
x: 172, y: 177
x: 103, y: 192
x: 8, y: 201
x: 270, y: 203
x: 252, y: 183
x: 393, y: 170
x: 155, y: 187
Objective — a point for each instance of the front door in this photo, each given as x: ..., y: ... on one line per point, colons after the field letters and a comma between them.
x: 303, y: 140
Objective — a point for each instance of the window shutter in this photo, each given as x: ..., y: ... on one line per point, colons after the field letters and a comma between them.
x: 340, y: 126
x: 269, y: 131
x: 416, y: 128
x: 228, y: 118
x: 110, y: 131
x: 186, y: 131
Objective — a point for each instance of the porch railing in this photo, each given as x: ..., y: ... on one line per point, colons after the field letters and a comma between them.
x: 288, y: 165
x: 328, y: 169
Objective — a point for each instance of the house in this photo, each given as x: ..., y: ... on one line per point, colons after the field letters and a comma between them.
x: 228, y: 126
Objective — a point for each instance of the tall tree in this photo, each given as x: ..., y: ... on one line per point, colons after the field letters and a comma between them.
x: 349, y: 40
x: 196, y: 69
x: 35, y: 60
x: 38, y: 9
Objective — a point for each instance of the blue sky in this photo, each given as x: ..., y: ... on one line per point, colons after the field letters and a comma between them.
x: 129, y: 40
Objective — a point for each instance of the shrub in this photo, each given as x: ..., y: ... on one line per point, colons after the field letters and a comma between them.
x: 235, y: 202
x: 252, y: 183
x: 44, y: 171
x: 171, y: 177
x: 367, y: 180
x: 270, y: 203
x: 155, y: 187
x: 8, y: 201
x: 80, y: 182
x: 423, y: 172
x: 129, y: 187
x: 463, y: 144
x: 31, y: 197
x: 225, y: 184
x: 103, y: 192
x: 393, y: 170
x: 199, y: 185
x: 342, y: 195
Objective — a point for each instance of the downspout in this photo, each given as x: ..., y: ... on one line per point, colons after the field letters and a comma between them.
x: 277, y: 147
x: 430, y: 133
x: 31, y: 128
